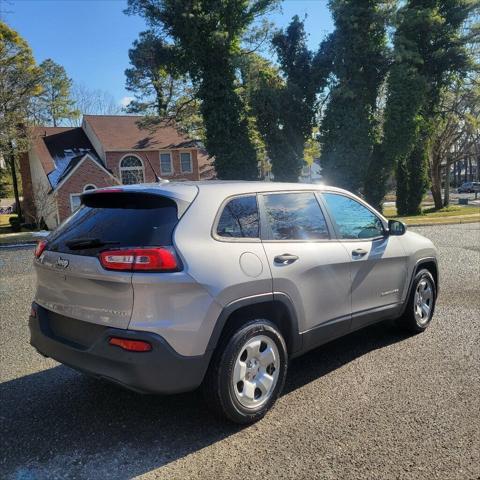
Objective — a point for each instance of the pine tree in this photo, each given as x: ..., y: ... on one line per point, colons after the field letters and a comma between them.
x: 429, y: 52
x: 19, y: 82
x: 54, y: 103
x: 208, y: 34
x: 349, y: 131
x: 285, y: 106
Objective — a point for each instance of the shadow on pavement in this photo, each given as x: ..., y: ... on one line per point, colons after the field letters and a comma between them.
x: 59, y: 419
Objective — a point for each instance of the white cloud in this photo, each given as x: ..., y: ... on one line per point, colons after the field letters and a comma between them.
x: 125, y: 101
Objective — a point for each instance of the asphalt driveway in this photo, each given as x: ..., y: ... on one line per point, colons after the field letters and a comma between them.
x: 375, y: 405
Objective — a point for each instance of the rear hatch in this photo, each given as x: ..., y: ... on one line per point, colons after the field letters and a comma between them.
x: 70, y: 278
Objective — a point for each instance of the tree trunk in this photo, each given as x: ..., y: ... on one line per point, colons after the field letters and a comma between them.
x: 465, y: 175
x: 417, y: 177
x: 470, y: 168
x: 13, y: 170
x: 401, y: 176
x: 225, y: 125
x: 436, y: 178
x: 446, y: 194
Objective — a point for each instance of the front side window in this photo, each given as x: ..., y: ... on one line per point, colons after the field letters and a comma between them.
x: 295, y: 216
x: 239, y: 218
x: 186, y: 162
x: 353, y: 219
x: 131, y: 170
x: 166, y: 164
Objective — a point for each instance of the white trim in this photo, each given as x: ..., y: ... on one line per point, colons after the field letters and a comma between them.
x: 172, y: 171
x: 130, y: 169
x: 77, y: 166
x: 191, y: 162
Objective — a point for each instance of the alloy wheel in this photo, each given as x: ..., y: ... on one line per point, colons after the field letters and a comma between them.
x: 423, y: 302
x: 256, y: 371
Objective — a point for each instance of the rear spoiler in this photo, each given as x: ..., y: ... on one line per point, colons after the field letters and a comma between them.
x: 120, y: 197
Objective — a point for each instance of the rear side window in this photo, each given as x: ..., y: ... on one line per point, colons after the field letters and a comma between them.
x: 115, y: 220
x: 295, y: 216
x: 239, y: 218
x: 353, y: 220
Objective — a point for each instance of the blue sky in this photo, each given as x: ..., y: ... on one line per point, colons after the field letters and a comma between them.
x: 91, y: 38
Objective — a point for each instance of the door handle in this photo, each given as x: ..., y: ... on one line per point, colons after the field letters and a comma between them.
x: 359, y: 252
x: 285, y: 259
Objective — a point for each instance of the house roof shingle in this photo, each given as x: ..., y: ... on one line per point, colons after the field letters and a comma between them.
x: 38, y: 141
x: 61, y: 148
x: 121, y: 132
x: 58, y: 147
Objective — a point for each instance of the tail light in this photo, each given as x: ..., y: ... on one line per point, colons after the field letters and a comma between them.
x: 40, y: 248
x: 156, y: 259
x: 130, y: 345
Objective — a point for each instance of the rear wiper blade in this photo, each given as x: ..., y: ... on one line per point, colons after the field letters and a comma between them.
x: 81, y: 243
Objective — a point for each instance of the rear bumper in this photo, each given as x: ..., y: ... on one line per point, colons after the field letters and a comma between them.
x: 161, y: 370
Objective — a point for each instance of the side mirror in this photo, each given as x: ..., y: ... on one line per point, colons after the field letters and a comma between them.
x: 395, y: 227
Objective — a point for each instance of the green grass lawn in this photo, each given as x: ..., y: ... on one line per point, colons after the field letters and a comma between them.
x: 5, y: 220
x: 5, y: 224
x: 451, y: 214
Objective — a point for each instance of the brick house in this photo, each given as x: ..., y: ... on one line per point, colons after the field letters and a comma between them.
x: 106, y: 150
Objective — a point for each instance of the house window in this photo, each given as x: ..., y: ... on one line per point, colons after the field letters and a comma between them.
x: 131, y: 170
x: 75, y: 201
x: 166, y: 166
x: 186, y: 162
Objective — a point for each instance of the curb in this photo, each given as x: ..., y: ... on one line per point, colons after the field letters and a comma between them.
x: 440, y: 224
x: 18, y: 245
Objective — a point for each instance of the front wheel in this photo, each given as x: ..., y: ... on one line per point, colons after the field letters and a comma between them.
x: 421, y: 304
x: 247, y: 373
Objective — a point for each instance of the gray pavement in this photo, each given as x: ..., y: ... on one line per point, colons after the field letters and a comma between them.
x: 375, y: 405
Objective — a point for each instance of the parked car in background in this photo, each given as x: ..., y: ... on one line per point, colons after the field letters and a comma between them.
x: 165, y: 287
x: 469, y: 187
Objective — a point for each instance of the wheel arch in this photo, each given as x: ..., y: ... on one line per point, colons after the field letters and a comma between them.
x: 430, y: 264
x: 277, y: 308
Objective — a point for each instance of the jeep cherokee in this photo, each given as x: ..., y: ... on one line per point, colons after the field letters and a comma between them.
x: 165, y: 287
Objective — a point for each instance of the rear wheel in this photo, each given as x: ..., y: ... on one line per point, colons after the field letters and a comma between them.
x: 421, y: 304
x: 247, y: 372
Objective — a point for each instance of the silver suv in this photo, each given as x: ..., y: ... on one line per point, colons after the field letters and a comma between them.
x: 165, y: 287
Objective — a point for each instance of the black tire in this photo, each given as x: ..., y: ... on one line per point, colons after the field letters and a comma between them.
x: 218, y: 383
x: 409, y: 320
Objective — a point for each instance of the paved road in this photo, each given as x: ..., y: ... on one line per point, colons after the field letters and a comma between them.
x: 374, y: 405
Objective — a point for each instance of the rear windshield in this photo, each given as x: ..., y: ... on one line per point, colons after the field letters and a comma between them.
x: 115, y: 220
